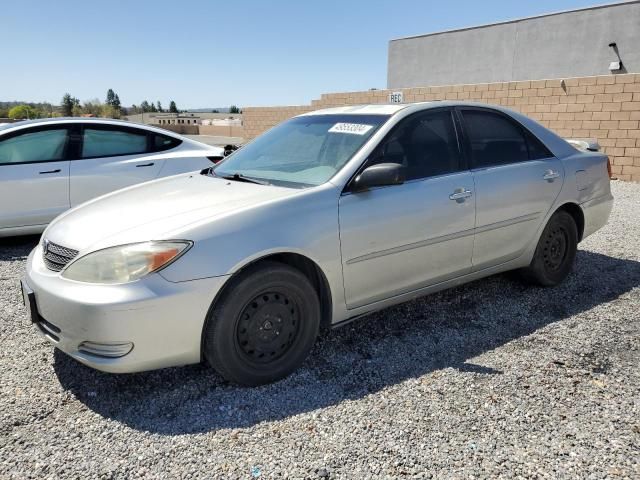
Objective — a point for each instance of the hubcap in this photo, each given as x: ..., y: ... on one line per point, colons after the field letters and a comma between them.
x: 555, y: 249
x: 268, y: 327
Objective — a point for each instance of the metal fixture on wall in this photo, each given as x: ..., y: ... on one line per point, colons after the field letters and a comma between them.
x: 616, y: 65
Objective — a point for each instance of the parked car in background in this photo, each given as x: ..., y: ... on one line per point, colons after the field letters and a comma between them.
x: 48, y: 166
x: 324, y: 218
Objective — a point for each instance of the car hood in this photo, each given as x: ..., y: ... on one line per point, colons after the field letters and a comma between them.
x: 157, y: 210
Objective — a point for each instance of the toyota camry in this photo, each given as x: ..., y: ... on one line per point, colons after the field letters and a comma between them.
x: 329, y: 216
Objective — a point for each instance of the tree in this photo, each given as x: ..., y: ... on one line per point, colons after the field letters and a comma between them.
x: 145, y: 106
x: 110, y: 97
x: 172, y: 107
x: 109, y: 111
x: 22, y: 111
x: 215, y: 111
x: 152, y: 108
x: 113, y: 102
x: 160, y: 107
x: 92, y: 107
x: 234, y: 109
x: 67, y: 105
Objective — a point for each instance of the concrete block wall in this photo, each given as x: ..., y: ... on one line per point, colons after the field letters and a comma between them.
x: 222, y: 130
x: 605, y: 107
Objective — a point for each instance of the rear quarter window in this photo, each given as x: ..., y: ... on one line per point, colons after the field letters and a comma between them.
x: 160, y: 142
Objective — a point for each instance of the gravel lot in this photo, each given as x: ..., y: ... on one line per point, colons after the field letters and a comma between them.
x: 490, y: 379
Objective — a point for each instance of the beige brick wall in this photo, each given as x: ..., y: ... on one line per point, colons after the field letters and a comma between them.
x: 221, y: 130
x: 606, y: 108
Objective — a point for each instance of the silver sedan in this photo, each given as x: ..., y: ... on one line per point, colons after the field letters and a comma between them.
x: 326, y: 217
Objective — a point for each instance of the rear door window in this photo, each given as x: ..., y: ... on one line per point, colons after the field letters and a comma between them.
x: 494, y: 139
x: 109, y: 142
x: 537, y: 150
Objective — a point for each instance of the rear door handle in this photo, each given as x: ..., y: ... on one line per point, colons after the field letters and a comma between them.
x: 550, y: 175
x: 50, y: 171
x: 460, y: 194
x: 145, y: 165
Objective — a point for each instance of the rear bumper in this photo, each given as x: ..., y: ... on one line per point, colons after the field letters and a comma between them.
x: 596, y: 213
x: 161, y: 320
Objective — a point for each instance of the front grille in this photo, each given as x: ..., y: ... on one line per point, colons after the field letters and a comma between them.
x: 55, y: 256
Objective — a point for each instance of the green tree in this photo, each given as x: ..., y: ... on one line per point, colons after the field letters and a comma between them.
x: 66, y: 105
x: 145, y: 106
x: 109, y: 111
x: 234, y: 109
x: 22, y: 111
x: 92, y: 107
x: 111, y: 97
x: 113, y: 101
x: 159, y: 107
x: 172, y: 107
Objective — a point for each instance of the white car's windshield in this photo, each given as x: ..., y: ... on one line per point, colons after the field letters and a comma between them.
x: 303, y: 151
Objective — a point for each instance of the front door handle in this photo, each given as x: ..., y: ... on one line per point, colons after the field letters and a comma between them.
x: 145, y: 165
x: 460, y: 194
x: 550, y: 175
x: 50, y: 171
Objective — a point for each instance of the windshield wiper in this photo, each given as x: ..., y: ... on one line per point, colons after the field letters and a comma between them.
x: 238, y: 177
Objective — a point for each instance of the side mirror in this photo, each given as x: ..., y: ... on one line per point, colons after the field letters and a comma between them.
x: 379, y: 175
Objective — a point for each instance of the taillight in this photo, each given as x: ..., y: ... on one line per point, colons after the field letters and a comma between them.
x: 609, y: 167
x: 215, y: 159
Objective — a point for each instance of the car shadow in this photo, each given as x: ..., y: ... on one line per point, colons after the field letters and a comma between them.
x: 17, y: 248
x: 444, y: 330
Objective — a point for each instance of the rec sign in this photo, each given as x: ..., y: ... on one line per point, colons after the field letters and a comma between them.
x: 395, y: 97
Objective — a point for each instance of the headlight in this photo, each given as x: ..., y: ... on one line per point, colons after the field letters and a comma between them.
x: 125, y: 263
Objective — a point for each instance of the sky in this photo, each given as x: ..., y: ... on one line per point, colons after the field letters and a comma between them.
x: 206, y: 53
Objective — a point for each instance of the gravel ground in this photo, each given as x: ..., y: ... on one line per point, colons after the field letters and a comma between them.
x: 489, y: 379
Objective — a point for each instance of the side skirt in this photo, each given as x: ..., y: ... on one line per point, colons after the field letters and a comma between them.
x: 421, y: 292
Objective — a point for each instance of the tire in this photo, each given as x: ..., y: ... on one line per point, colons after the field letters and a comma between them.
x: 555, y: 253
x: 263, y: 326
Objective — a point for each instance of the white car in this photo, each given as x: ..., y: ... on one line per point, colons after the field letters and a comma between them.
x: 48, y: 166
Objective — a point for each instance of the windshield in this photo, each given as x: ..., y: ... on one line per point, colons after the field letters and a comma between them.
x: 303, y: 151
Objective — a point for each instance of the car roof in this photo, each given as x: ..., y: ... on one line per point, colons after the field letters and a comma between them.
x: 391, y: 108
x: 382, y: 109
x: 558, y: 146
x: 99, y: 121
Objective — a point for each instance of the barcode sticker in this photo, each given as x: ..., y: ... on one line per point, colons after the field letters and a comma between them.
x: 352, y: 128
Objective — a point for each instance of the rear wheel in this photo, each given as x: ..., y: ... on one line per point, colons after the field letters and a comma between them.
x: 556, y: 251
x: 263, y: 326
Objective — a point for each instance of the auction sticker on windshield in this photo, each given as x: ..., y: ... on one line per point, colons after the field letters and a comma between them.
x: 352, y: 128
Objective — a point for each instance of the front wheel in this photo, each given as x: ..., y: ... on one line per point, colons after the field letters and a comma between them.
x: 263, y: 326
x: 555, y: 253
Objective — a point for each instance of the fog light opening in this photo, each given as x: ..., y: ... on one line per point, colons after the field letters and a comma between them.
x: 107, y: 350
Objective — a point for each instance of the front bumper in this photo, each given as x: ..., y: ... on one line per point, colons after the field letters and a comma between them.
x: 162, y: 320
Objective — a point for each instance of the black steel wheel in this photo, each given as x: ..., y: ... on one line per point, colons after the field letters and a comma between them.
x: 555, y: 247
x: 263, y: 326
x: 268, y: 327
x: 555, y: 252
